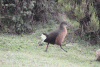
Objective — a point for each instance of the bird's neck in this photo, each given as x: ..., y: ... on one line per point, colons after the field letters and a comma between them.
x: 63, y: 27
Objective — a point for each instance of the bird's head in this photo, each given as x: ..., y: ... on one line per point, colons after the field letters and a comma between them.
x: 63, y: 24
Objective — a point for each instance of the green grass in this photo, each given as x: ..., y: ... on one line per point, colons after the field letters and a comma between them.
x: 17, y: 51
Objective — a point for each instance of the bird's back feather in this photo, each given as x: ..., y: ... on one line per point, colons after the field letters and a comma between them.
x: 52, y: 36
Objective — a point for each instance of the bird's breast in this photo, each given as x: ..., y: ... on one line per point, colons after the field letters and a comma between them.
x: 61, y: 36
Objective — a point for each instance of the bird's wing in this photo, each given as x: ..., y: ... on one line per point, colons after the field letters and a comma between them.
x: 52, y: 36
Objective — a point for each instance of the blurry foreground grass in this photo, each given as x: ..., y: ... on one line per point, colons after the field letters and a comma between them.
x: 16, y: 51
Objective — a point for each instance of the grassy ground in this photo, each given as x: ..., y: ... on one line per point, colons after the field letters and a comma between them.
x: 16, y: 51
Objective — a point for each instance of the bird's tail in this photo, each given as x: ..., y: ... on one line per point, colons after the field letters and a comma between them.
x: 44, y: 36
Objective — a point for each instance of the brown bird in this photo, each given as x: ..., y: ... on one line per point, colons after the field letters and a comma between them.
x: 56, y: 37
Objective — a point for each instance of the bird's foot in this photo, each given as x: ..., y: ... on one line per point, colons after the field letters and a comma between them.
x: 45, y: 50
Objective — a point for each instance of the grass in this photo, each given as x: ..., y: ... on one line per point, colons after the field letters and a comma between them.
x: 17, y: 51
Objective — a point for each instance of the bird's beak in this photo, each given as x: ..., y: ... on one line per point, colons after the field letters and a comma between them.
x: 68, y: 25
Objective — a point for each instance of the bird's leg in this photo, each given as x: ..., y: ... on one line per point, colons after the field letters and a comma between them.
x: 62, y: 48
x: 47, y: 47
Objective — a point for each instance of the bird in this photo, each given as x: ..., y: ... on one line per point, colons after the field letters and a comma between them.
x: 98, y: 55
x: 56, y: 37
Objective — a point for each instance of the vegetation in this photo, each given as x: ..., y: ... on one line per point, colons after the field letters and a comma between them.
x: 86, y: 12
x: 25, y: 51
x: 19, y: 16
x: 30, y: 18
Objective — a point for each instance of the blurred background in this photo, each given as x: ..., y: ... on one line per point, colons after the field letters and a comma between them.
x: 27, y: 16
